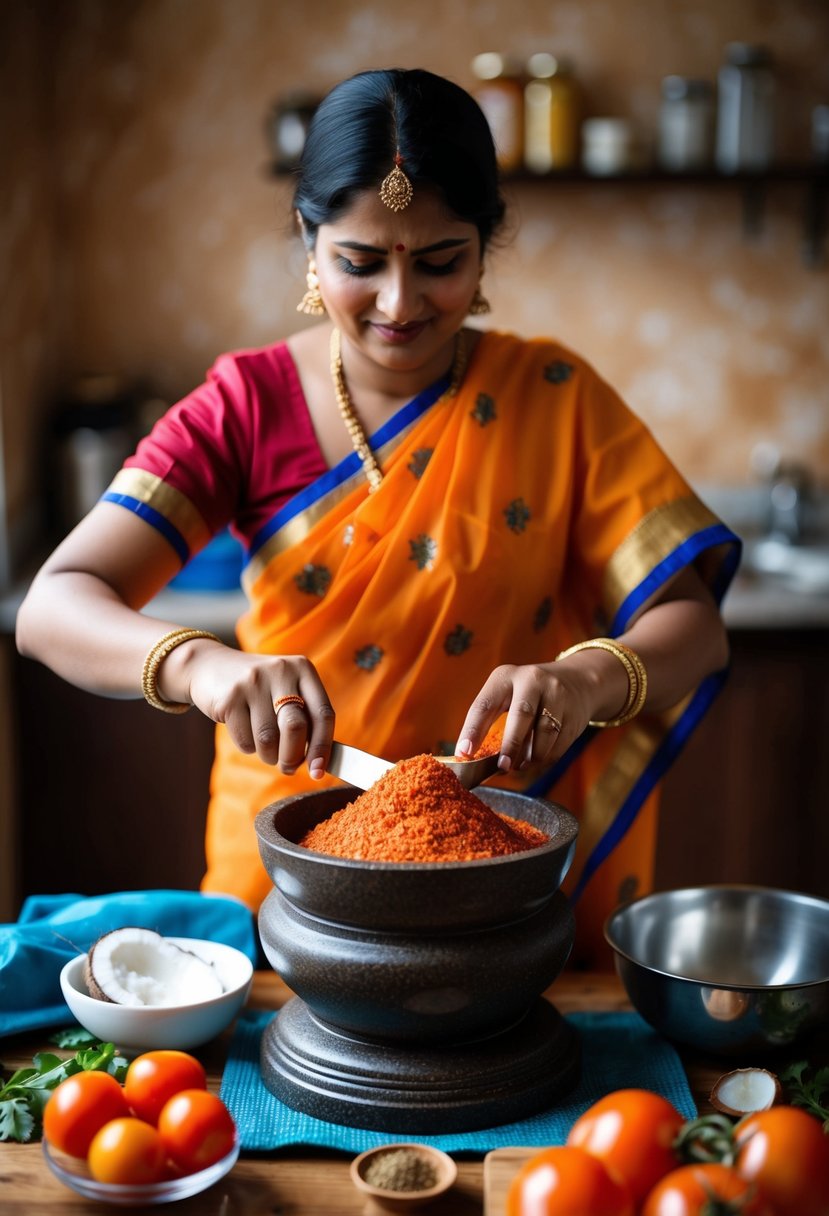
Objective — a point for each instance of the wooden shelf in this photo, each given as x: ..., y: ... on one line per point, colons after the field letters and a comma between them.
x: 754, y: 185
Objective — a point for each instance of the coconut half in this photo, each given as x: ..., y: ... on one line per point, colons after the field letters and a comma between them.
x: 745, y: 1090
x: 133, y: 966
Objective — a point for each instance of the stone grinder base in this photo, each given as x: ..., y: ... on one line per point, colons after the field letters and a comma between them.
x: 319, y: 1070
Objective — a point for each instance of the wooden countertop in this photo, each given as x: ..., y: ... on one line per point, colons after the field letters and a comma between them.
x: 300, y: 1182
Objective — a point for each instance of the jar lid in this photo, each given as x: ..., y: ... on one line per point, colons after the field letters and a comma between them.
x: 542, y: 65
x: 748, y: 55
x: 681, y: 88
x: 491, y: 65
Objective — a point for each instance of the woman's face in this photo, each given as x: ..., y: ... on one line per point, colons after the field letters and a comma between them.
x: 398, y: 285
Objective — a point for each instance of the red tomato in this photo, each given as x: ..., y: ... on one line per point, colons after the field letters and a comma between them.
x: 197, y: 1129
x: 785, y: 1152
x: 567, y: 1181
x: 631, y: 1131
x: 127, y: 1151
x: 701, y: 1190
x: 154, y: 1077
x: 79, y: 1107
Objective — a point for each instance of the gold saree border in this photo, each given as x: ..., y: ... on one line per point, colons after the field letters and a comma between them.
x: 629, y: 761
x: 657, y: 535
x: 175, y: 507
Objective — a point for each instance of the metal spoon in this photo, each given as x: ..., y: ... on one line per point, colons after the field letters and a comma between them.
x: 361, y: 769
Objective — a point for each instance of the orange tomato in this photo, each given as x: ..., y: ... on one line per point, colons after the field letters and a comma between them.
x: 701, y: 1190
x: 155, y: 1076
x: 567, y: 1181
x: 785, y: 1153
x: 197, y: 1129
x: 79, y: 1107
x: 127, y: 1151
x: 632, y: 1131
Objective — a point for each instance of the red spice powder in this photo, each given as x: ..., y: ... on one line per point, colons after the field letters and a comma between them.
x: 490, y: 745
x: 419, y: 811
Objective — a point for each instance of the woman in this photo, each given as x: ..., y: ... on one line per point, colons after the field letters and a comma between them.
x: 432, y: 515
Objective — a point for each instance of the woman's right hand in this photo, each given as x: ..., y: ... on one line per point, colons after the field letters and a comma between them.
x: 243, y: 691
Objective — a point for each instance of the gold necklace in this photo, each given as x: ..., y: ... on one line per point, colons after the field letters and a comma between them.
x: 353, y: 425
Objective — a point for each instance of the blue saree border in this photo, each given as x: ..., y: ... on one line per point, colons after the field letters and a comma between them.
x: 160, y: 522
x: 349, y: 466
x: 676, y: 737
x: 678, y: 559
x: 662, y: 759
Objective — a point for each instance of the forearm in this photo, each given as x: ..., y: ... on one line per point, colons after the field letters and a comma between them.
x: 80, y: 628
x: 679, y: 642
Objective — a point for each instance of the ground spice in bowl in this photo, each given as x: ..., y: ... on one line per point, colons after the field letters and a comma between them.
x: 400, y: 1170
x: 419, y: 811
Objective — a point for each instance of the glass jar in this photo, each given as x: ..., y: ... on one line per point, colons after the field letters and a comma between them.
x: 609, y: 146
x: 686, y: 124
x: 745, y: 109
x: 551, y: 115
x: 500, y: 94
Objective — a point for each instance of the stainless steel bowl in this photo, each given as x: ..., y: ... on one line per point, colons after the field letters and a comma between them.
x: 725, y: 969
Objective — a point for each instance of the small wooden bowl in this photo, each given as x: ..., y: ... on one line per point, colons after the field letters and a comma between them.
x: 404, y: 1201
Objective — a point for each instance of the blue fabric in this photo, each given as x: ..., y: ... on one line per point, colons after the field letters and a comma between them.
x: 619, y: 1051
x: 52, y: 929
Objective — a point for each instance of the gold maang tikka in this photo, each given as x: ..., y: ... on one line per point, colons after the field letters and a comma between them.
x: 396, y: 189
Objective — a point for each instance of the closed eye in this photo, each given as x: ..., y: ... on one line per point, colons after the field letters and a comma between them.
x: 357, y: 268
x: 438, y: 268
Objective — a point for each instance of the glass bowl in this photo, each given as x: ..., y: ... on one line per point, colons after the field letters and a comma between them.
x: 74, y: 1172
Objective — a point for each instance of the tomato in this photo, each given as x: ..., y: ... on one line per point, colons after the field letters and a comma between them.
x: 154, y: 1077
x: 197, y: 1129
x: 785, y: 1152
x: 705, y: 1190
x: 80, y: 1106
x: 631, y: 1131
x: 127, y: 1151
x: 567, y: 1181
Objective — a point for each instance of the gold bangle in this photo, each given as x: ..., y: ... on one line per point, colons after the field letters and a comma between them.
x: 636, y: 674
x: 153, y: 661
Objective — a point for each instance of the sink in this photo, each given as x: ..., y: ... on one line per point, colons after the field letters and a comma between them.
x: 803, y: 568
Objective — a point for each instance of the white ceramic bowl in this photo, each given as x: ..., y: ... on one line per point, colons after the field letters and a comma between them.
x: 139, y: 1028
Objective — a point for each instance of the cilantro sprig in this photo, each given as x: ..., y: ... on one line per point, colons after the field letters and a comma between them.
x: 809, y: 1089
x: 26, y: 1092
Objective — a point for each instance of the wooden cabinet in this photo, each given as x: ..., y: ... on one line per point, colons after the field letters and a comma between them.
x: 748, y: 800
x: 113, y: 794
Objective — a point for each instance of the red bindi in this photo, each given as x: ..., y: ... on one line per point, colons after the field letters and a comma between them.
x: 400, y: 248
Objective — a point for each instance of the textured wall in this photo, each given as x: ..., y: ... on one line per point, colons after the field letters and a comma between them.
x: 166, y: 240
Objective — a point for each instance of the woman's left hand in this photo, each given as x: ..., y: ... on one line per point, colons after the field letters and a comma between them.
x: 548, y: 705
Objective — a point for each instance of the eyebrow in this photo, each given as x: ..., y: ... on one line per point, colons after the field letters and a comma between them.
x: 449, y: 243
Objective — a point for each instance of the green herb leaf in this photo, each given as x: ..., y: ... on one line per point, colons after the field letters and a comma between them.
x: 16, y: 1120
x: 72, y: 1037
x: 809, y: 1091
x: 24, y: 1095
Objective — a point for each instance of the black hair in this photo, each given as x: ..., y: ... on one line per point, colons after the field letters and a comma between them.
x: 439, y: 130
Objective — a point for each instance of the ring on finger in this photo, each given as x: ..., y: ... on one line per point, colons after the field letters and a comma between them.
x: 293, y: 699
x: 552, y: 719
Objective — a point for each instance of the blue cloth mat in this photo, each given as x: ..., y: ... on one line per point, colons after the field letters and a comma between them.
x: 619, y: 1051
x: 52, y: 929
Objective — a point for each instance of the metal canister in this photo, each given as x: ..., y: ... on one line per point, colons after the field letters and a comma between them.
x: 686, y: 124
x: 745, y: 109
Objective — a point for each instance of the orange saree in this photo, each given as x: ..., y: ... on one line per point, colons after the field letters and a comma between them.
x: 526, y: 512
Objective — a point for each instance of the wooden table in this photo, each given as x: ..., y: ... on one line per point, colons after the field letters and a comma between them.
x: 290, y: 1181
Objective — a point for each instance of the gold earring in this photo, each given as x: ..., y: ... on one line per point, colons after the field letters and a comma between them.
x: 312, y: 303
x: 479, y: 304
